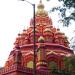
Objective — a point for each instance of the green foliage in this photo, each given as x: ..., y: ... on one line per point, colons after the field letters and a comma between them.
x: 61, y: 72
x: 70, y: 64
x: 67, y: 5
x: 69, y: 69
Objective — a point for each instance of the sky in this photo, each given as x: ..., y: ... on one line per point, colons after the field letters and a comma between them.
x: 15, y: 15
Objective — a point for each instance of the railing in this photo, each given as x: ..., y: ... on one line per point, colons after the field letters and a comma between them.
x: 25, y: 70
x: 29, y: 71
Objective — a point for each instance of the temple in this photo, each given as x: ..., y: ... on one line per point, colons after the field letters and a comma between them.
x: 51, y: 48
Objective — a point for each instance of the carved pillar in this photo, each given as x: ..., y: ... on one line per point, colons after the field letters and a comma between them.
x: 41, y: 55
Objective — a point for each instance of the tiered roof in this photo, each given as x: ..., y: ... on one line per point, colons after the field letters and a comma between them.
x: 44, y: 28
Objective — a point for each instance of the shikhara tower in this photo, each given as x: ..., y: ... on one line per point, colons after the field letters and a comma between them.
x: 51, y: 48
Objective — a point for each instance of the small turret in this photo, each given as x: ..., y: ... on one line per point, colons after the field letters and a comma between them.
x: 17, y: 56
x: 41, y: 39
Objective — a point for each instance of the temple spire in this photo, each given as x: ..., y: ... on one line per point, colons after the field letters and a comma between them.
x: 40, y: 1
x: 40, y: 9
x: 40, y: 5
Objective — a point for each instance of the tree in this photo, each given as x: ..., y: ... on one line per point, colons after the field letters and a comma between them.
x: 69, y: 3
x: 70, y: 64
x: 66, y: 6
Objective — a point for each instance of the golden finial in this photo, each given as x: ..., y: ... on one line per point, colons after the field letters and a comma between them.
x: 40, y: 5
x: 41, y: 10
x: 40, y: 1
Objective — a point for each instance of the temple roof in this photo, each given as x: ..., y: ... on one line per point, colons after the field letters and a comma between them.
x: 45, y: 35
x: 43, y: 28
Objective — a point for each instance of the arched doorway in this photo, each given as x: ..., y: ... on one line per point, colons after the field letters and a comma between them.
x: 54, y: 61
x: 52, y: 65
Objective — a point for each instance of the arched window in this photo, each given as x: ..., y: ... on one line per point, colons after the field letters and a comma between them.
x: 30, y: 64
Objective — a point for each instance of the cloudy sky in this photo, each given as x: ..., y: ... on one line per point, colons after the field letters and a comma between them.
x: 15, y: 16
